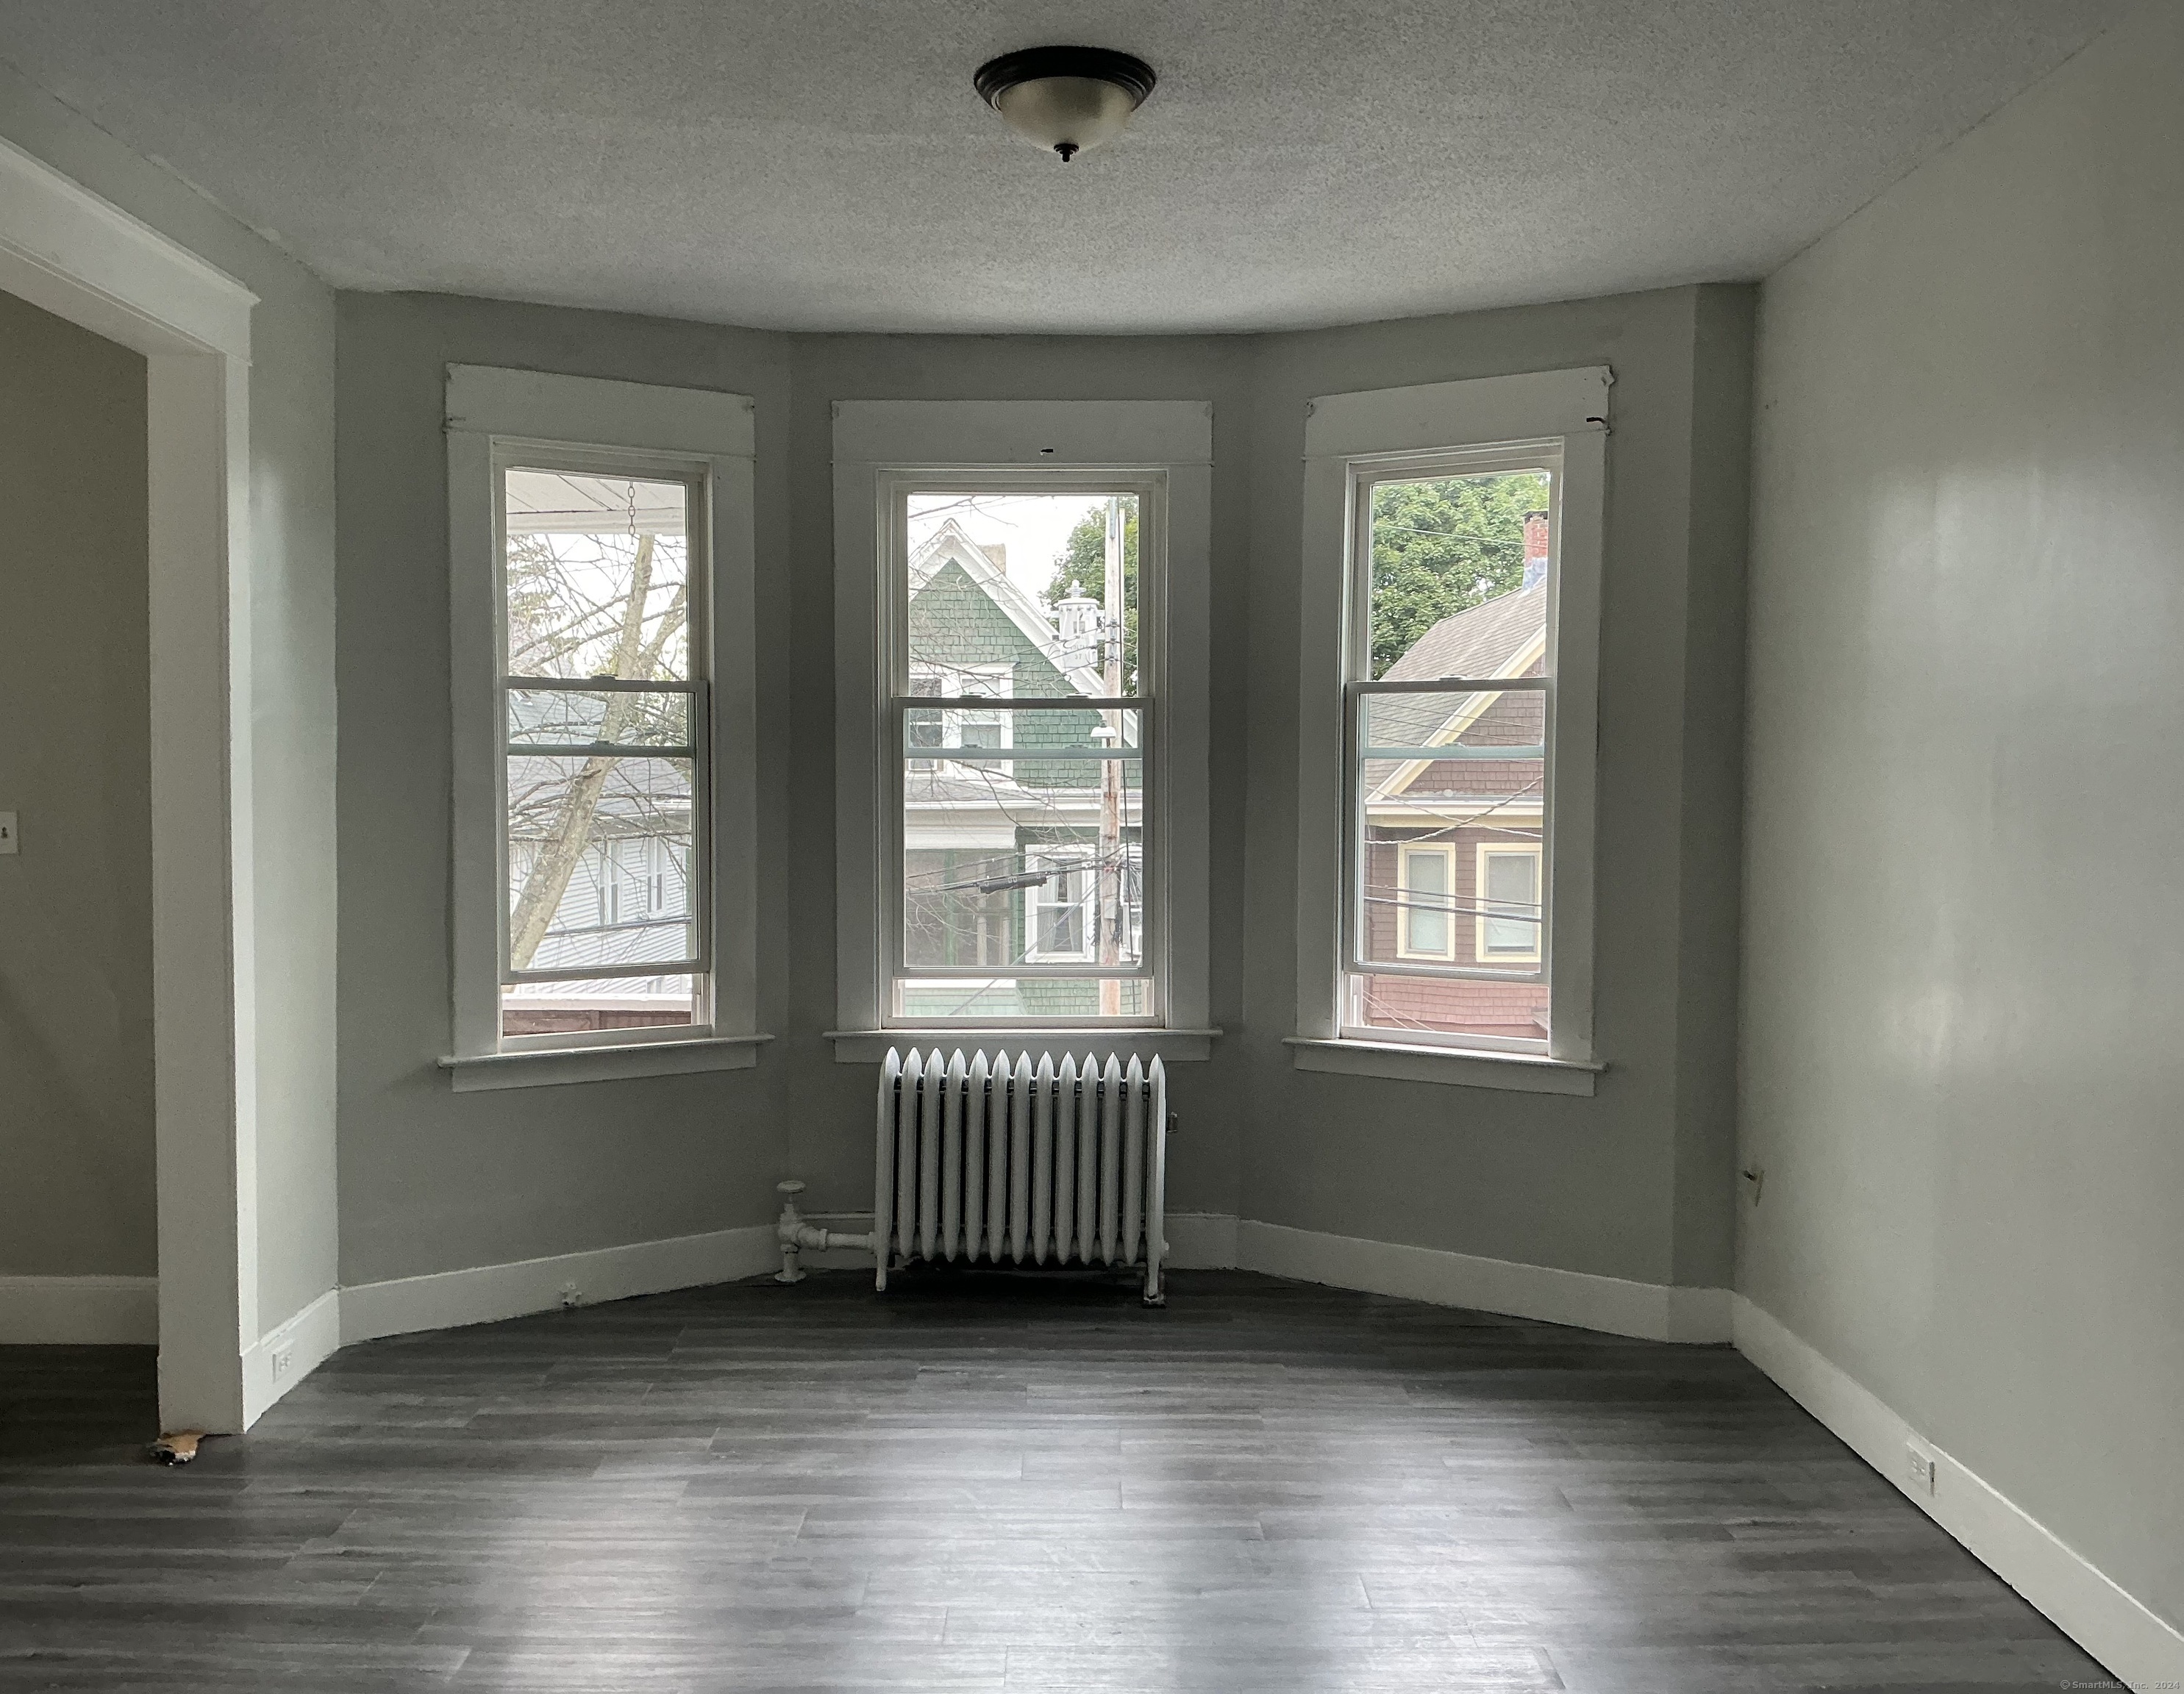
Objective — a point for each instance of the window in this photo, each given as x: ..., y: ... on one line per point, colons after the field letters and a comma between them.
x: 1509, y: 905
x: 1425, y: 886
x: 1028, y: 591
x: 1451, y: 568
x: 603, y: 770
x: 963, y: 725
x: 601, y: 639
x: 1023, y: 722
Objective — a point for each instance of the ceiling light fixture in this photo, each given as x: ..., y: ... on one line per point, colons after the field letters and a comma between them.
x: 1065, y: 97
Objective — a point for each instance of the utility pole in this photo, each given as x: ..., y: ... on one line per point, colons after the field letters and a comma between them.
x: 1109, y: 910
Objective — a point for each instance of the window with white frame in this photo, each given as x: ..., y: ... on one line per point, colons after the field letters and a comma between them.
x: 1452, y: 543
x: 965, y: 724
x: 603, y: 769
x: 1021, y: 828
x: 1425, y: 887
x: 1509, y: 905
x: 1028, y: 590
x: 600, y: 550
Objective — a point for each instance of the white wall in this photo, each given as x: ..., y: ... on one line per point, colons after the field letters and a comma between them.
x: 292, y: 603
x: 1964, y: 921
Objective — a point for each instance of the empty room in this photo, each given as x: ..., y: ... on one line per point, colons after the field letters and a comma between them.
x: 1099, y: 850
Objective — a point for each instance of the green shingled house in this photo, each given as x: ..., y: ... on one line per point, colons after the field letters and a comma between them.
x: 1004, y: 851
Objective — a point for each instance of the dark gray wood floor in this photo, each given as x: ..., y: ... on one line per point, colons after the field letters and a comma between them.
x: 1001, y: 1485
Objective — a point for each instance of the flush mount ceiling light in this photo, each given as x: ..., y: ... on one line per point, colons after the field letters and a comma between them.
x: 1065, y: 97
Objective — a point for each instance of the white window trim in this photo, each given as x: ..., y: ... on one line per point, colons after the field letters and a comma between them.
x: 876, y: 441
x: 713, y: 433
x: 1480, y: 951
x: 1405, y: 852
x: 1569, y: 406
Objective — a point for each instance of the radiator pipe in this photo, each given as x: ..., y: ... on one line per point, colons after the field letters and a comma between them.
x: 794, y: 1234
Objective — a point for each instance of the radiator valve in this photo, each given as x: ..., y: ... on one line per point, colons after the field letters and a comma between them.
x: 795, y: 1235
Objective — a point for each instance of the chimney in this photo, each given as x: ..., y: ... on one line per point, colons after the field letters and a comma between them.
x: 1535, y: 548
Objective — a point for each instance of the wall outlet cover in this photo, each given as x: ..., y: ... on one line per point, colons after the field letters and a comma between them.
x: 1919, y: 1470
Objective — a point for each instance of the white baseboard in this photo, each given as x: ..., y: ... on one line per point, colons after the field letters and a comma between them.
x: 1197, y: 1240
x: 487, y: 1293
x: 284, y: 1355
x: 80, y: 1310
x: 1218, y: 1241
x: 1651, y: 1311
x: 2137, y: 1647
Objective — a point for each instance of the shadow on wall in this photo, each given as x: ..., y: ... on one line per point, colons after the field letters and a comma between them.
x: 79, y: 1132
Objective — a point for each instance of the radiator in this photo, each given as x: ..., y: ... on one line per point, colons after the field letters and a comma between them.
x: 1017, y: 1162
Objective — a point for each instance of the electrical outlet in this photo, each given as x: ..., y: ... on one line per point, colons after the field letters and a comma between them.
x: 282, y: 1358
x: 7, y: 841
x: 572, y: 1296
x: 1919, y: 1470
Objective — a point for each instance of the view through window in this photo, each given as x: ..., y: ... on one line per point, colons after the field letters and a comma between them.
x: 1448, y: 711
x: 1022, y: 727
x: 604, y: 816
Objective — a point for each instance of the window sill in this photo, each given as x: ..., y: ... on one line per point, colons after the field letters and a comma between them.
x: 545, y: 1066
x: 1516, y: 1072
x: 1175, y: 1046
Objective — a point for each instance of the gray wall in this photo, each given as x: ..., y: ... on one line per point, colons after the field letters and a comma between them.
x: 432, y: 1180
x: 75, y: 908
x: 1634, y: 1184
x: 292, y: 587
x: 1962, y: 970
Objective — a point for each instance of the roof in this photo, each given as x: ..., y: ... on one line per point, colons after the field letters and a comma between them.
x: 1504, y: 637
x: 1478, y: 641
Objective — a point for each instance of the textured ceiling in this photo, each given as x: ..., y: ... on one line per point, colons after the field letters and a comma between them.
x: 824, y: 164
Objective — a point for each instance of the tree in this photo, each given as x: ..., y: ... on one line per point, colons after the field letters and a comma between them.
x: 586, y: 605
x: 1081, y: 572
x: 1443, y: 547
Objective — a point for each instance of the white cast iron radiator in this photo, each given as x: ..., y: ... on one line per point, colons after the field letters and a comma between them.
x: 1016, y: 1162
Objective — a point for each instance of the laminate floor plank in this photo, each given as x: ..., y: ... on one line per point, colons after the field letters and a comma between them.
x: 986, y: 1484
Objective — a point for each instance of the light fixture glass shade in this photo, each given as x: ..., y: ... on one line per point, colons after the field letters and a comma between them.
x: 1067, y: 113
x: 1065, y: 98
